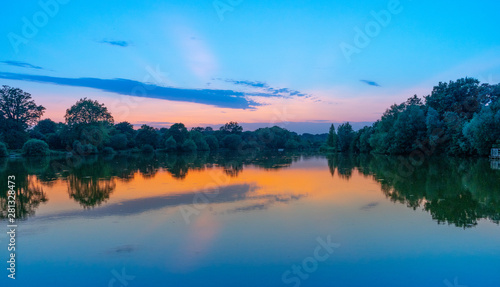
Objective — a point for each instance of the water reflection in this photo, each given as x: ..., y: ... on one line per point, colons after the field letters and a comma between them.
x: 29, y: 192
x: 453, y: 191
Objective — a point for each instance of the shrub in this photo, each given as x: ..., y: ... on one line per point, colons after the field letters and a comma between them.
x: 34, y: 134
x: 55, y: 141
x: 36, y: 147
x: 189, y: 146
x: 212, y: 142
x: 147, y: 148
x: 171, y: 144
x: 232, y: 141
x: 118, y: 142
x: 291, y: 144
x: 89, y: 149
x: 3, y: 150
x: 108, y: 150
x: 201, y: 144
x: 84, y: 149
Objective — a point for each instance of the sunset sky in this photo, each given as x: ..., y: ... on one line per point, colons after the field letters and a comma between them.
x: 251, y: 61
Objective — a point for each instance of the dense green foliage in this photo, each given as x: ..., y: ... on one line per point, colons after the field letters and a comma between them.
x: 18, y: 112
x: 35, y: 147
x: 459, y: 118
x: 3, y: 150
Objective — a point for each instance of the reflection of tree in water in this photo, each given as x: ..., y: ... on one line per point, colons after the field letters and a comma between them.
x: 343, y: 163
x: 91, y: 183
x: 29, y: 191
x: 88, y: 191
x: 454, y: 191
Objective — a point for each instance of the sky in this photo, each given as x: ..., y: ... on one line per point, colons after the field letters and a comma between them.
x: 300, y: 64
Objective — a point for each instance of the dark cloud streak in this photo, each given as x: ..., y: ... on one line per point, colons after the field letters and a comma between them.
x: 371, y: 83
x: 21, y: 64
x: 116, y: 43
x: 219, y: 98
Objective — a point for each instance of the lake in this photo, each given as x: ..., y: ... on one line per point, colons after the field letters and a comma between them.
x: 257, y: 219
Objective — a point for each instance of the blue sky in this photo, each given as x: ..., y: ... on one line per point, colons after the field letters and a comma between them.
x: 208, y: 62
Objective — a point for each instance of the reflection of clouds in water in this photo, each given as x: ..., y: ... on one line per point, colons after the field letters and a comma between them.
x: 119, y: 250
x: 224, y: 194
x: 369, y: 206
x: 271, y: 200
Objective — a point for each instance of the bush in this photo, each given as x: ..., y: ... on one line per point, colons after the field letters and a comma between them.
x: 3, y: 150
x: 36, y: 147
x: 89, y: 149
x: 118, y: 142
x: 34, y: 134
x: 55, y: 141
x: 232, y: 142
x: 201, y: 144
x: 189, y: 146
x: 171, y: 144
x: 212, y: 142
x: 15, y: 139
x: 147, y: 148
x: 84, y: 149
x: 108, y: 150
x: 291, y: 144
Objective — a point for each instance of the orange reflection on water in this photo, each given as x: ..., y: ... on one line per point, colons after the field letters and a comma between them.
x: 311, y: 183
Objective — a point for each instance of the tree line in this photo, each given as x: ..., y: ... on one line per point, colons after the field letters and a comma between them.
x: 460, y: 118
x: 89, y: 128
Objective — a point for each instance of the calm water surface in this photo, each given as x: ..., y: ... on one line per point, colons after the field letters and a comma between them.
x: 254, y: 220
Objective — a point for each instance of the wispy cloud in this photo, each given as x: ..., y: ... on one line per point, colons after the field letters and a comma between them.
x: 266, y: 89
x: 21, y: 64
x: 116, y: 43
x: 371, y: 83
x: 219, y: 98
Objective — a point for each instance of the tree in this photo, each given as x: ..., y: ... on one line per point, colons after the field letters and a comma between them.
x: 364, y: 136
x: 199, y: 140
x: 345, y: 137
x: 231, y: 128
x: 461, y: 97
x: 118, y: 141
x: 17, y: 112
x: 484, y: 129
x: 18, y: 107
x: 189, y: 146
x: 179, y: 132
x: 212, y: 142
x: 332, y: 138
x: 232, y: 141
x: 409, y: 128
x: 87, y: 111
x: 125, y: 128
x: 35, y: 147
x: 147, y: 135
x: 46, y: 127
x: 170, y: 144
x: 3, y: 150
